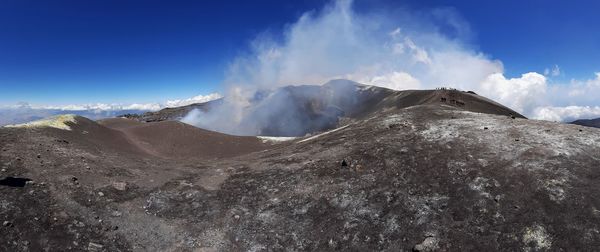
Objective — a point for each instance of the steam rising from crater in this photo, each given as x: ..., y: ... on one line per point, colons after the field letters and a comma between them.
x: 397, y: 49
x: 394, y: 49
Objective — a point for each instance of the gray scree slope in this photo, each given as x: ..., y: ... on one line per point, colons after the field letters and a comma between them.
x: 429, y: 177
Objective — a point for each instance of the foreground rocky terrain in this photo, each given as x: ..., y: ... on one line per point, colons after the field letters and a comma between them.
x: 429, y: 176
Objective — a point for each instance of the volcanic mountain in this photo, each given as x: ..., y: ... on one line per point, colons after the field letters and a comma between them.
x: 172, y: 114
x: 301, y: 110
x: 435, y: 170
x: 588, y: 122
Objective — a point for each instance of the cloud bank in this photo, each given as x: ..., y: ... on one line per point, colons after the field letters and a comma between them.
x: 25, y: 112
x: 372, y: 48
x: 117, y: 107
x: 195, y: 99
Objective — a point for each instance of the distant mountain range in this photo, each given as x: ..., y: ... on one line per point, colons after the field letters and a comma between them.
x: 588, y: 122
x: 170, y: 114
x: 23, y: 114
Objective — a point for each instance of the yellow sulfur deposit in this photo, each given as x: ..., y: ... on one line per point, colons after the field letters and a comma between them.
x: 59, y: 122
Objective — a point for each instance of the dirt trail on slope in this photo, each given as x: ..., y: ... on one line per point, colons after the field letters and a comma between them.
x: 171, y: 139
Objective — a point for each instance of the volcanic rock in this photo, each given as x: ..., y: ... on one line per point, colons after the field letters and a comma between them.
x: 434, y: 181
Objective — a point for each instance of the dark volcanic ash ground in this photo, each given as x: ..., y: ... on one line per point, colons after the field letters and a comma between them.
x: 430, y: 177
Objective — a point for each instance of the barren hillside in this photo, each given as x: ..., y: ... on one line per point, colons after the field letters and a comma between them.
x: 429, y: 177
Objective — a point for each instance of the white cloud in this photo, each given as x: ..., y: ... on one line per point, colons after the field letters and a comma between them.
x: 100, y: 107
x: 522, y: 94
x: 532, y: 95
x: 569, y: 101
x: 369, y: 47
x: 399, y: 48
x: 195, y: 99
x: 568, y: 113
x: 555, y: 71
x: 583, y: 92
x: 394, y: 80
x: 395, y: 32
x: 419, y: 55
x: 460, y: 69
x: 143, y: 106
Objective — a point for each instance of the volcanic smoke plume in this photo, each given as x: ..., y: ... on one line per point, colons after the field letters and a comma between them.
x: 393, y: 48
x: 287, y: 111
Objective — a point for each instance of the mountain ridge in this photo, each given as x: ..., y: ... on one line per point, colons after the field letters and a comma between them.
x: 300, y: 110
x: 424, y: 177
x: 399, y: 171
x: 587, y: 122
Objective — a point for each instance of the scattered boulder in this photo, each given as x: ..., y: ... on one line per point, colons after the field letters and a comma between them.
x: 429, y: 244
x: 92, y: 246
x: 7, y: 224
x: 537, y: 238
x: 116, y: 213
x: 403, y: 150
x: 121, y: 186
x: 79, y: 223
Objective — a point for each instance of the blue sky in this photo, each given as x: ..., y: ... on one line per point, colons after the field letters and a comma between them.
x: 125, y: 51
x: 532, y: 35
x: 70, y: 52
